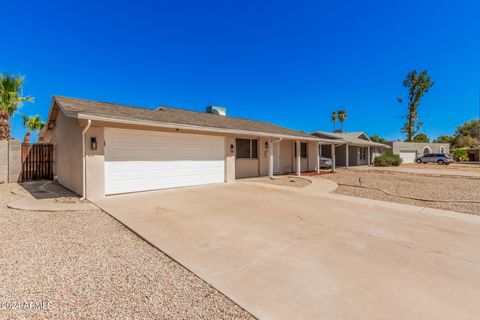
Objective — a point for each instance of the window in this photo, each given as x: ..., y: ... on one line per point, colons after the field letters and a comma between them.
x: 363, y: 153
x: 442, y: 149
x: 247, y: 148
x: 303, y: 150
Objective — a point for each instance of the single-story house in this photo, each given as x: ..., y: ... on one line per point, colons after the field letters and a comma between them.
x: 105, y: 148
x: 351, y: 149
x: 409, y: 151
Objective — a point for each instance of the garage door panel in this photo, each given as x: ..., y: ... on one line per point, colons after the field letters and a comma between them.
x: 408, y: 156
x: 137, y: 160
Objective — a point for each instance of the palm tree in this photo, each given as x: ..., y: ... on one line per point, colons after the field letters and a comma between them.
x: 32, y: 124
x: 334, y: 119
x: 10, y: 100
x: 342, y: 115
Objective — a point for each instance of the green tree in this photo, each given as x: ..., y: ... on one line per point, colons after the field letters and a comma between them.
x: 421, y: 137
x: 418, y: 85
x: 443, y: 139
x: 32, y: 123
x: 342, y: 115
x: 460, y: 154
x: 377, y: 138
x: 11, y: 100
x: 466, y: 142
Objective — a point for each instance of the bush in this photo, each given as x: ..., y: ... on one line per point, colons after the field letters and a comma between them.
x: 460, y: 155
x: 387, y: 159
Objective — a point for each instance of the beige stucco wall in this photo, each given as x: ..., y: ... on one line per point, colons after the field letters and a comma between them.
x: 312, y: 156
x: 67, y: 139
x: 229, y: 159
x: 286, y: 156
x: 95, y: 186
x: 246, y: 168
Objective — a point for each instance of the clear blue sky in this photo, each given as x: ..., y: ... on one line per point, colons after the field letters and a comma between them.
x: 288, y: 62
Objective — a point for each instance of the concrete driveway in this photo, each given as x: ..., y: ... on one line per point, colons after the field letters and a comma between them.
x: 285, y: 254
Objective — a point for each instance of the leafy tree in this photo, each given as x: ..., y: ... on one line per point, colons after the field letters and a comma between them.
x: 443, y: 139
x: 421, y: 137
x: 469, y: 128
x: 377, y: 138
x: 466, y: 142
x: 10, y: 100
x: 342, y: 115
x: 418, y: 85
x: 32, y: 124
x: 334, y: 119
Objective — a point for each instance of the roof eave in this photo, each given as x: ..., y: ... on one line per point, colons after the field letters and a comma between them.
x: 88, y: 116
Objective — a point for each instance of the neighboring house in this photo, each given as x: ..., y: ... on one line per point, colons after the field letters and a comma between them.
x: 409, y: 151
x: 352, y: 149
x: 473, y: 154
x: 105, y: 148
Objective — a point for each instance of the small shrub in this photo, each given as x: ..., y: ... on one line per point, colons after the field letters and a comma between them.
x: 387, y: 159
x: 460, y: 155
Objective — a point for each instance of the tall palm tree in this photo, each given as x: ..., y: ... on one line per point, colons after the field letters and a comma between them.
x: 10, y: 100
x: 334, y: 119
x: 32, y: 124
x: 342, y: 115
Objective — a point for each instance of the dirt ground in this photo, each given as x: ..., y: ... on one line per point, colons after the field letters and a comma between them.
x: 86, y: 265
x: 289, y: 181
x: 412, y: 185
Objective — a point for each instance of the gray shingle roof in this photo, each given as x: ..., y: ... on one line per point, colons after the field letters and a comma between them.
x: 74, y: 107
x: 350, y: 138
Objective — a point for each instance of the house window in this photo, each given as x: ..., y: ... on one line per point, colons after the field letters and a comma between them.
x: 442, y: 149
x: 247, y: 148
x: 363, y: 153
x: 303, y: 150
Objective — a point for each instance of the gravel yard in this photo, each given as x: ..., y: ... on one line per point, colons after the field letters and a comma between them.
x: 412, y: 185
x: 457, y: 166
x: 297, y: 182
x: 86, y: 265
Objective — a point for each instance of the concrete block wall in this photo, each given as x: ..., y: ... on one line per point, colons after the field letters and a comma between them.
x: 10, y: 161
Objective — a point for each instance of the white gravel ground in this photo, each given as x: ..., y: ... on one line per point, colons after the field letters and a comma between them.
x: 86, y: 265
x: 414, y: 185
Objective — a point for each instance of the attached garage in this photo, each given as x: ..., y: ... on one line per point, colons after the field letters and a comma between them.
x: 137, y: 160
x: 408, y: 156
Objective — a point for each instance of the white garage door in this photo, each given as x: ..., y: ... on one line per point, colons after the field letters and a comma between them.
x: 145, y: 160
x: 408, y: 156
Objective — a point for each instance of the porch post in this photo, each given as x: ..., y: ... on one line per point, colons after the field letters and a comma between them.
x: 333, y: 157
x: 270, y: 158
x: 346, y: 155
x: 368, y: 156
x: 297, y: 146
x: 319, y: 155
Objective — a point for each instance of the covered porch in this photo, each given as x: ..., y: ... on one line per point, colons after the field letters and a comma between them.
x: 270, y: 156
